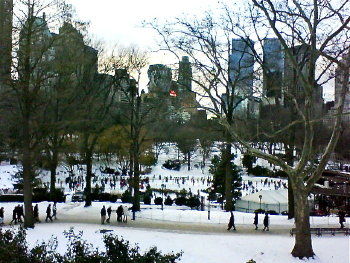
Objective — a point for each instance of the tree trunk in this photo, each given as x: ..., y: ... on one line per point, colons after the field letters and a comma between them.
x: 53, y: 168
x: 88, y: 200
x: 27, y: 181
x: 136, y: 179
x: 88, y: 162
x: 303, y: 246
x: 188, y: 161
x: 228, y: 178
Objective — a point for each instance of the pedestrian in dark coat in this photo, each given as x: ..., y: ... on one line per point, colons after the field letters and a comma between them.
x: 54, y: 210
x: 14, y: 216
x: 48, y: 213
x: 20, y: 213
x: 256, y: 219
x: 266, y: 222
x: 36, y: 213
x: 120, y: 213
x: 2, y: 216
x: 103, y: 215
x: 341, y: 215
x: 109, y: 211
x: 231, y: 222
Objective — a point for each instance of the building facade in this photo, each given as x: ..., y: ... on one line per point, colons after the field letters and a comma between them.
x: 339, y: 81
x: 6, y: 14
x: 272, y: 71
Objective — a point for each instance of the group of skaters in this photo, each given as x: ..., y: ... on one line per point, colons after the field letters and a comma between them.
x: 18, y: 214
x: 121, y: 216
x: 266, y: 221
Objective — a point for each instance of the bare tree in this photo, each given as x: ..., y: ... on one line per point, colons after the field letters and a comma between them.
x: 27, y: 92
x: 313, y: 38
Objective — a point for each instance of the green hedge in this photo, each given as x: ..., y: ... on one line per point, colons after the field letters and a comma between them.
x: 12, y: 198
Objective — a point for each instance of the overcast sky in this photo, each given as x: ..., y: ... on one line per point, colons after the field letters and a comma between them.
x: 117, y: 21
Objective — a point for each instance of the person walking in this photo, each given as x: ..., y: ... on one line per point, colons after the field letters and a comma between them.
x: 109, y: 211
x: 103, y: 215
x: 54, y: 211
x: 256, y: 220
x: 2, y: 216
x: 341, y: 215
x: 14, y: 216
x: 36, y: 214
x: 48, y: 213
x: 20, y: 213
x: 231, y: 222
x: 266, y: 222
x: 120, y: 213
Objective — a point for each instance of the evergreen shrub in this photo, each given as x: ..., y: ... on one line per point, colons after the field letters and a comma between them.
x: 147, y: 199
x: 158, y: 200
x: 14, y: 248
x: 181, y: 200
x: 193, y: 202
x: 168, y: 201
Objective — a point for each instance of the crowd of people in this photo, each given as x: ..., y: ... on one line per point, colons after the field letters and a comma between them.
x: 122, y: 214
x: 18, y: 214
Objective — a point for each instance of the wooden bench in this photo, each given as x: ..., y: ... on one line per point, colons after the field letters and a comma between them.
x: 325, y: 230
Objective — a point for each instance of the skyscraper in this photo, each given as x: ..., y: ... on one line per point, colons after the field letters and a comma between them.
x: 241, y: 67
x: 185, y: 77
x: 241, y: 76
x: 272, y: 70
x: 6, y: 9
x: 160, y: 78
x: 339, y: 79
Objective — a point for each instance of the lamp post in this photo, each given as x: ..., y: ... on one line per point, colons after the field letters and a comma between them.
x: 209, y: 191
x: 260, y: 196
x: 163, y: 187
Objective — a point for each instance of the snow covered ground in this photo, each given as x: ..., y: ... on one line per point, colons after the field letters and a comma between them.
x: 180, y: 228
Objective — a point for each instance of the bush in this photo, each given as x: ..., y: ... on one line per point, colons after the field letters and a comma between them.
x: 11, y: 198
x: 272, y: 212
x: 147, y: 199
x: 193, y: 202
x: 104, y: 197
x: 181, y: 200
x: 172, y: 165
x: 14, y: 248
x: 126, y: 197
x: 40, y: 195
x: 281, y: 174
x: 114, y: 198
x: 158, y: 200
x: 168, y: 201
x: 260, y: 171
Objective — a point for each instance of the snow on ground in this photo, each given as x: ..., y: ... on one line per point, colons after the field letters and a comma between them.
x: 180, y: 228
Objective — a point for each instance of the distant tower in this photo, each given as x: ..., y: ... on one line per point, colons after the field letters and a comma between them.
x: 272, y: 70
x: 6, y: 13
x: 160, y: 78
x: 185, y: 77
x: 241, y: 67
x: 338, y: 86
x: 241, y: 74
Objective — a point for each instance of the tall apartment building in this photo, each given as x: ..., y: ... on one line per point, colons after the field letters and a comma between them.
x: 241, y: 67
x: 160, y: 78
x: 272, y: 71
x: 241, y: 77
x: 6, y: 13
x: 185, y: 77
x: 338, y: 87
x: 292, y: 83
